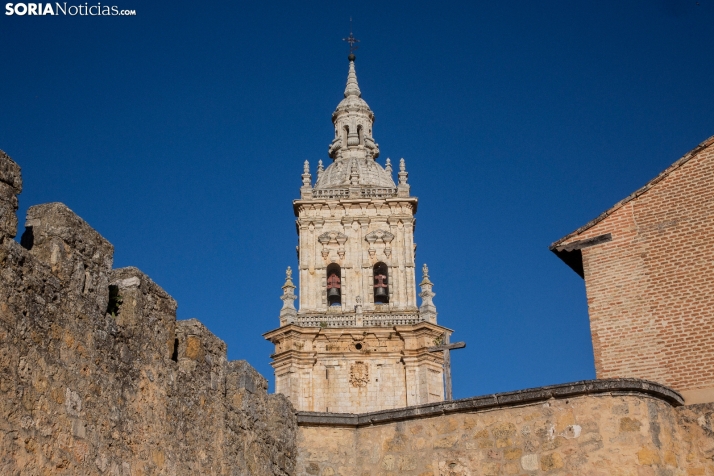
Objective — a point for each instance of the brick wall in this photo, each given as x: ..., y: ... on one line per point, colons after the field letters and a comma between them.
x: 649, y: 289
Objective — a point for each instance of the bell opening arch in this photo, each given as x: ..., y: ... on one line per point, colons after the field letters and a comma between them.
x: 380, y: 272
x: 334, y: 285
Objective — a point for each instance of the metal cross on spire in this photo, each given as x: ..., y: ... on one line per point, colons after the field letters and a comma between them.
x: 351, y: 40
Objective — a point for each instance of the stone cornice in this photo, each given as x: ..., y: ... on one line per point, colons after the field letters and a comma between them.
x: 413, y: 201
x: 289, y: 329
x: 419, y: 328
x: 612, y: 387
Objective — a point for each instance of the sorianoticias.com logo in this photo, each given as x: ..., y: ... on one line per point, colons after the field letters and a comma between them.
x: 58, y: 8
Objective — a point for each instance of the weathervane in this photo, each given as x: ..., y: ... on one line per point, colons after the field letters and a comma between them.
x: 353, y: 43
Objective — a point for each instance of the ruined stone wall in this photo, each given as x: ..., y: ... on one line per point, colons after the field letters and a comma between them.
x: 597, y: 428
x: 649, y: 287
x: 94, y: 381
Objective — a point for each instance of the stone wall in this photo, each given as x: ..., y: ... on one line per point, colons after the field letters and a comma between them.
x: 648, y: 264
x: 98, y: 377
x: 597, y: 428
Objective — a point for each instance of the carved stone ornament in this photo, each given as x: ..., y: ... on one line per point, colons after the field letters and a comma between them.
x: 379, y: 236
x: 332, y: 237
x: 359, y: 374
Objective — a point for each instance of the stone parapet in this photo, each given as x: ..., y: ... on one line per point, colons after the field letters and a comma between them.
x: 490, y: 402
x: 598, y: 428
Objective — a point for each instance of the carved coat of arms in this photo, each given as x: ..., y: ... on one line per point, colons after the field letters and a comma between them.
x: 359, y: 374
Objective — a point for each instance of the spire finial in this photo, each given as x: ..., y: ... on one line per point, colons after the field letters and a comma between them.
x: 352, y: 88
x: 306, y: 177
x: 353, y: 43
x: 402, y: 187
x: 306, y: 189
x: 427, y: 310
x: 402, y: 172
x: 288, y: 312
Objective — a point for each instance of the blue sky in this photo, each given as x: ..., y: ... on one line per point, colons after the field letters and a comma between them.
x: 180, y: 133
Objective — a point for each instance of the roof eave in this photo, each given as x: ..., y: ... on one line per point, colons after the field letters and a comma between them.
x: 680, y: 162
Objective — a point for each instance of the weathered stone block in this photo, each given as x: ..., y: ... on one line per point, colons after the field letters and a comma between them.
x: 137, y: 304
x: 241, y: 375
x: 8, y: 209
x: 10, y: 173
x: 10, y: 187
x: 79, y: 256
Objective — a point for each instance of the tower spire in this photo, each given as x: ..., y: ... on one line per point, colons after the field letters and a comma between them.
x: 352, y: 88
x: 353, y: 120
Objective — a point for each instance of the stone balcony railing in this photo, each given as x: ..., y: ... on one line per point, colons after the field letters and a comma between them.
x: 358, y: 320
x: 326, y: 320
x: 331, y: 193
x: 365, y: 192
x: 378, y: 192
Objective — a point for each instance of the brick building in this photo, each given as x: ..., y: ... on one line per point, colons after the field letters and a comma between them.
x: 648, y: 266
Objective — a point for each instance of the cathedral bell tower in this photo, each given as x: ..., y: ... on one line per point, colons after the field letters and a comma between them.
x: 358, y: 341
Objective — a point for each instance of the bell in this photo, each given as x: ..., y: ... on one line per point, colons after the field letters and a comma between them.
x: 380, y: 292
x: 333, y: 292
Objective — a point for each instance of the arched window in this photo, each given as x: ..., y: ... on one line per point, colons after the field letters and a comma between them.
x: 381, y: 283
x: 334, y: 285
x: 346, y: 135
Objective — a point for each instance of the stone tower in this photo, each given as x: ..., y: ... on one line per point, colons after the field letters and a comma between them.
x: 358, y: 341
